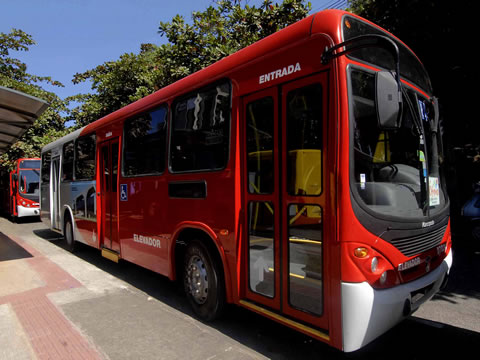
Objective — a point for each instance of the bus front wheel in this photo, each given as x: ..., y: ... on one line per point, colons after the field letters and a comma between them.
x: 203, y: 281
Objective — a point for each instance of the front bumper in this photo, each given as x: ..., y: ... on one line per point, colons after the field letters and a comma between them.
x: 27, y: 211
x: 368, y: 313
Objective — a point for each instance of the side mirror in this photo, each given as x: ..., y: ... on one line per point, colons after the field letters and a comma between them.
x: 388, y: 101
x: 14, y: 177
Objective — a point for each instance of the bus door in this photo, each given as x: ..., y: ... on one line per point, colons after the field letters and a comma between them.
x: 108, y: 159
x: 284, y: 144
x: 55, y: 192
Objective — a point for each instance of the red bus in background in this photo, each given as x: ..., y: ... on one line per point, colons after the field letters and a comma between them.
x: 21, y: 189
x: 301, y: 178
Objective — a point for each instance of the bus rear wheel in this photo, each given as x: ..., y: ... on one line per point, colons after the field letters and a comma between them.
x: 69, y: 237
x: 203, y: 281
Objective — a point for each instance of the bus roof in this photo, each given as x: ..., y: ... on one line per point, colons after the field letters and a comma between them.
x: 72, y: 136
x: 326, y: 22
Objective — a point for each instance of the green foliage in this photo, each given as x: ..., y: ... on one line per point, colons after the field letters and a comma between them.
x: 116, y: 84
x: 222, y: 29
x: 14, y: 75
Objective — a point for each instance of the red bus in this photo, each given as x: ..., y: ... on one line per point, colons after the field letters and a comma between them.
x: 21, y: 189
x: 301, y: 177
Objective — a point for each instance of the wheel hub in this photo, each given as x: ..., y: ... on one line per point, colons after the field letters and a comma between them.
x: 197, y: 281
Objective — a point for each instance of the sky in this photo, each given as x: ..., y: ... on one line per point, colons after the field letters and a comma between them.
x: 73, y: 36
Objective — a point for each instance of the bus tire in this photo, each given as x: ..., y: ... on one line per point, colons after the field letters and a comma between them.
x: 203, y: 282
x: 68, y: 234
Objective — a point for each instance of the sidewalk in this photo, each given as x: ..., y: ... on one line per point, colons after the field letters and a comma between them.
x: 55, y: 305
x: 32, y: 327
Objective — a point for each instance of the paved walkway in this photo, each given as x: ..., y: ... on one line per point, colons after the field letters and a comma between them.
x: 57, y: 305
x: 32, y: 326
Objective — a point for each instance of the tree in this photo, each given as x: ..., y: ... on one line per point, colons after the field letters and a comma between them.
x: 14, y: 75
x: 222, y: 29
x: 116, y: 84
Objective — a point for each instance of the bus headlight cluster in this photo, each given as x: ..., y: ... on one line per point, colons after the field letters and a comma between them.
x: 374, y: 267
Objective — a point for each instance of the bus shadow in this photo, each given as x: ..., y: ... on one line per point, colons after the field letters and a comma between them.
x: 413, y: 339
x: 21, y: 220
x: 464, y: 280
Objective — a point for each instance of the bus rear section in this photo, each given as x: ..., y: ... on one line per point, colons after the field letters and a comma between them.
x: 279, y: 179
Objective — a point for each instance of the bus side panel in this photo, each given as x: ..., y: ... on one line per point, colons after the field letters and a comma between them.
x: 65, y: 203
x: 143, y: 222
x: 84, y: 208
x: 216, y: 211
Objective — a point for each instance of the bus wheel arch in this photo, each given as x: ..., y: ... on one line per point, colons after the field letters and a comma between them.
x: 200, y: 270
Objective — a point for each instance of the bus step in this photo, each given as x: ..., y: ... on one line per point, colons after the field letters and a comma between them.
x: 110, y: 254
x: 323, y: 335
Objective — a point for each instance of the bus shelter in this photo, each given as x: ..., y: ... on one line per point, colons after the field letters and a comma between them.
x: 18, y: 111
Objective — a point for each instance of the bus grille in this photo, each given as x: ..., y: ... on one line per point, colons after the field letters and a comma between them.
x: 416, y: 244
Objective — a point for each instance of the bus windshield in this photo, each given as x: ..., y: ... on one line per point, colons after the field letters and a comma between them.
x: 29, y: 184
x: 397, y: 172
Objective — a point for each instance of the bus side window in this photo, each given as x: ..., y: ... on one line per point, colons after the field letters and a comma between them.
x: 260, y: 164
x: 46, y: 158
x: 304, y: 140
x: 200, y: 130
x: 67, y: 161
x: 145, y: 143
x: 85, y: 147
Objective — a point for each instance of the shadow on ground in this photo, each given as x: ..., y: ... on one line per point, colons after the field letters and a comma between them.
x: 412, y: 339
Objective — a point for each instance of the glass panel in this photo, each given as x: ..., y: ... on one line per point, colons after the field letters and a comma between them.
x: 260, y: 119
x: 67, y: 161
x: 393, y: 167
x: 91, y: 204
x: 144, y: 144
x: 106, y: 169
x: 46, y: 167
x: 304, y: 140
x: 85, y: 158
x: 410, y: 68
x: 79, y: 209
x: 114, y: 166
x: 261, y: 248
x: 29, y: 184
x: 30, y: 164
x: 201, y: 130
x: 305, y: 258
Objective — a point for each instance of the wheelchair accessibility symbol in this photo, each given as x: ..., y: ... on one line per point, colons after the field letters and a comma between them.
x: 123, y: 192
